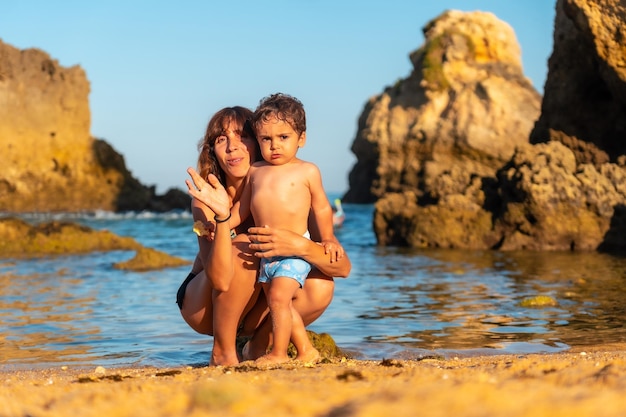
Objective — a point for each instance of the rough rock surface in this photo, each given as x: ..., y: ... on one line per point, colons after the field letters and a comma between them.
x: 20, y: 240
x: 553, y: 203
x: 49, y: 160
x: 585, y: 91
x: 566, y: 191
x: 464, y: 107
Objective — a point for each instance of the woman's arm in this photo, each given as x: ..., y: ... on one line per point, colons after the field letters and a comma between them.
x: 210, y: 201
x: 268, y: 242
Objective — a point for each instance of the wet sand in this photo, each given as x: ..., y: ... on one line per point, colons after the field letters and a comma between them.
x: 589, y: 382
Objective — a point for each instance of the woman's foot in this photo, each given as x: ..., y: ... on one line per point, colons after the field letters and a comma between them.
x: 223, y: 360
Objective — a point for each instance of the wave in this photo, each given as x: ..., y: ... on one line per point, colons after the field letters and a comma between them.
x: 99, y: 215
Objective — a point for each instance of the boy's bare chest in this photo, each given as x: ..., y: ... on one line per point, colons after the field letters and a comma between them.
x: 279, y: 184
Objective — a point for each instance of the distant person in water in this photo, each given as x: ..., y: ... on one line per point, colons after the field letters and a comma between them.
x: 338, y: 214
x: 281, y: 192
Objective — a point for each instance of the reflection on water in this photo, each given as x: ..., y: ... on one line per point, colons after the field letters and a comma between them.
x: 78, y: 310
x: 444, y: 301
x: 43, y: 320
x: 82, y: 312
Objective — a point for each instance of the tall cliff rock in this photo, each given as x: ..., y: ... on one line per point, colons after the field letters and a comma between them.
x: 461, y: 111
x: 49, y: 160
x: 482, y: 185
x: 573, y: 196
x: 585, y: 91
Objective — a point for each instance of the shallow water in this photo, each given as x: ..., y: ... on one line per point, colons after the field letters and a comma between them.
x: 78, y: 310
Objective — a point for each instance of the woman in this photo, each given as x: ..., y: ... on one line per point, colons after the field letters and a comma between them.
x: 220, y: 297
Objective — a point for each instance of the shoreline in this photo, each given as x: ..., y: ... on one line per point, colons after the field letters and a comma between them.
x: 579, y: 382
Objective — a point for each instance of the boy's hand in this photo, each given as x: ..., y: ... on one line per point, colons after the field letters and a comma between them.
x: 333, y: 248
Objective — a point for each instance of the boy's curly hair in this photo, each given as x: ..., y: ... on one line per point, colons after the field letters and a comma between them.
x: 283, y: 107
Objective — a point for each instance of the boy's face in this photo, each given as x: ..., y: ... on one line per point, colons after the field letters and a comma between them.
x: 279, y: 142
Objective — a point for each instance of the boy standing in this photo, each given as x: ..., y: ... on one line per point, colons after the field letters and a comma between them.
x: 282, y: 192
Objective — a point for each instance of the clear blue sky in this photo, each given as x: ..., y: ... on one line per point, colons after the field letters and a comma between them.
x: 159, y: 69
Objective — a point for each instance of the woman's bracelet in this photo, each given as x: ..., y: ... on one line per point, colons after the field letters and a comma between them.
x: 223, y: 220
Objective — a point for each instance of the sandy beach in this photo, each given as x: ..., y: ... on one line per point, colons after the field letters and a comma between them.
x: 589, y: 382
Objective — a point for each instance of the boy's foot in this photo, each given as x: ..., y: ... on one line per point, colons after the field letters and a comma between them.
x: 271, y: 360
x: 310, y: 356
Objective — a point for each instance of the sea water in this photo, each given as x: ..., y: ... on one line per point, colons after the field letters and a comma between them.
x: 396, y: 303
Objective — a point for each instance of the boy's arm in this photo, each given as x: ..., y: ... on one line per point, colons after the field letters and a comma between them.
x: 322, y: 212
x: 323, y: 216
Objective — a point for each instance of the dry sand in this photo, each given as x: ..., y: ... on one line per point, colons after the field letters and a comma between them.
x: 576, y: 383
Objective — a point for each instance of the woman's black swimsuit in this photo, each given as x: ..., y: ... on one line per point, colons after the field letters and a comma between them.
x: 180, y: 294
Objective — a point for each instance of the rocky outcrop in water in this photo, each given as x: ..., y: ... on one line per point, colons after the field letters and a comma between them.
x: 584, y: 106
x: 565, y: 191
x: 49, y: 160
x: 460, y: 113
x: 550, y: 202
x: 20, y: 240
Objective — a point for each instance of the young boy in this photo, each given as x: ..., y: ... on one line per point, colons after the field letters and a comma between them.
x: 282, y: 191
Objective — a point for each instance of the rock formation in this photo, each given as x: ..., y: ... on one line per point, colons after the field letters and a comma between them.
x: 462, y: 173
x: 49, y: 160
x: 552, y: 203
x: 461, y: 111
x: 20, y: 240
x: 585, y: 92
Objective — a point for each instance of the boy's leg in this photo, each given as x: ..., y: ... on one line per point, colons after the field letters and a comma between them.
x: 279, y: 292
x: 300, y: 339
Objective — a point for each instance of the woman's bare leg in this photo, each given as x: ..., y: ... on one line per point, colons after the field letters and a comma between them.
x: 197, y: 308
x: 230, y: 306
x: 312, y: 300
x: 218, y: 313
x: 261, y: 339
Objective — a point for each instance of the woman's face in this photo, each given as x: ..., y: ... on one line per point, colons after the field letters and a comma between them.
x: 234, y: 152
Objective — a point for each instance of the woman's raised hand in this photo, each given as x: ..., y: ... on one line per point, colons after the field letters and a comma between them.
x: 211, y: 193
